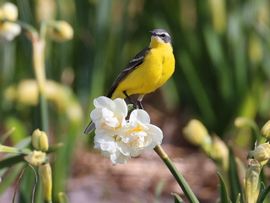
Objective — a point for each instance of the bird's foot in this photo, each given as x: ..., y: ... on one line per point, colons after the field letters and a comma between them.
x: 139, y: 104
x: 130, y: 100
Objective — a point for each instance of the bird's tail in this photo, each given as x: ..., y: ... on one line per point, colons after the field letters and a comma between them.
x: 89, y: 128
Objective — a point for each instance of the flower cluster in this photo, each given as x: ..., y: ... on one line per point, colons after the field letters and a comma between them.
x: 119, y: 138
x: 9, y: 30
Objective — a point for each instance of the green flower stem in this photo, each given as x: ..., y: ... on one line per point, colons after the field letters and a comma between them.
x: 44, y: 113
x: 40, y: 73
x: 177, y: 175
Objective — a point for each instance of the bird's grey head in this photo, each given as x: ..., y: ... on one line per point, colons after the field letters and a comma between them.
x: 162, y: 34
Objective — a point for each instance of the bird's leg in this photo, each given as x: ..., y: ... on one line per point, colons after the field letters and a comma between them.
x: 139, y: 102
x: 130, y: 100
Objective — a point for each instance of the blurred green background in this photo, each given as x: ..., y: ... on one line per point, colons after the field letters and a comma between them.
x: 222, y: 62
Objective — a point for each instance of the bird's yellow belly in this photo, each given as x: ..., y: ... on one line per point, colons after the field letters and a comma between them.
x: 157, y: 68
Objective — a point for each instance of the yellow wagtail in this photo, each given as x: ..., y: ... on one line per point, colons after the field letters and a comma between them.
x: 146, y: 72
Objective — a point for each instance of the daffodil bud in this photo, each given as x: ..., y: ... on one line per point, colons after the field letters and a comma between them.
x: 45, y: 173
x: 74, y: 112
x: 40, y: 140
x: 60, y: 31
x: 255, y: 49
x: 9, y: 11
x: 36, y: 158
x: 9, y: 30
x: 252, y: 182
x: 196, y: 133
x: 241, y: 122
x: 262, y: 153
x: 219, y: 152
x: 29, y: 86
x: 218, y: 10
x: 45, y: 10
x: 266, y: 130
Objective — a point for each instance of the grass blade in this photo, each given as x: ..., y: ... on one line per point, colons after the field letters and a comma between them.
x: 233, y: 177
x: 224, y: 198
x: 263, y: 194
x: 177, y: 198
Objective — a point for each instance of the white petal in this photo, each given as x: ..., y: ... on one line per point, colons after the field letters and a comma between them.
x: 95, y: 114
x: 103, y: 102
x: 101, y: 138
x: 120, y: 107
x: 139, y: 115
x: 124, y: 149
x: 105, y: 143
x: 118, y: 158
x: 156, y: 135
x: 109, y: 118
x: 135, y: 153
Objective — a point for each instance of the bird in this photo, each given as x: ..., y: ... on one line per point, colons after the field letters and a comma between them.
x: 146, y: 72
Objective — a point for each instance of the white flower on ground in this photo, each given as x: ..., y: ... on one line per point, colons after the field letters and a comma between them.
x: 9, y: 30
x: 121, y: 139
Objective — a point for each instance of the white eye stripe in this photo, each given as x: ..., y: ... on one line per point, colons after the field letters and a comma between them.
x: 163, y: 33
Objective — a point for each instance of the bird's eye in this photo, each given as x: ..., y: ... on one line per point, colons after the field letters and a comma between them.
x: 162, y: 35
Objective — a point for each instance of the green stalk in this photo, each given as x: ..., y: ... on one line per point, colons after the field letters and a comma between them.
x: 38, y: 44
x: 177, y: 175
x: 44, y: 113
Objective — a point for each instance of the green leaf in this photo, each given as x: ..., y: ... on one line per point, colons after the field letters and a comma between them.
x: 233, y: 177
x: 238, y: 199
x: 224, y: 198
x: 263, y: 194
x: 8, y: 162
x: 177, y: 198
x: 20, y: 130
x: 9, y: 177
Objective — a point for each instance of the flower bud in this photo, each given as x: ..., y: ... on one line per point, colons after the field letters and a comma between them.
x: 61, y: 31
x: 252, y: 182
x: 45, y: 173
x: 255, y: 49
x: 241, y: 122
x: 219, y: 152
x: 29, y: 88
x: 74, y: 112
x: 196, y: 133
x: 40, y: 140
x: 218, y: 11
x: 262, y: 152
x: 9, y: 30
x: 45, y: 10
x: 266, y: 130
x: 9, y: 11
x: 36, y: 158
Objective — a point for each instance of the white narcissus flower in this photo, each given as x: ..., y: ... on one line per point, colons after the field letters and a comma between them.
x: 121, y: 139
x: 109, y: 115
x: 139, y: 134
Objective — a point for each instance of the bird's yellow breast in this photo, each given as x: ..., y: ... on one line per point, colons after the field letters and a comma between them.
x: 157, y: 67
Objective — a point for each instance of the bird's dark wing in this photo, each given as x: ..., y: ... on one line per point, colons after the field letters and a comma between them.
x: 132, y: 65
